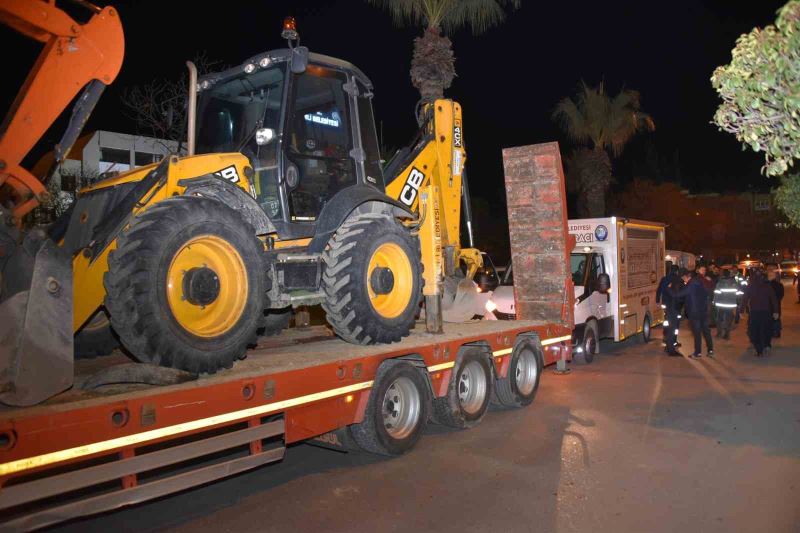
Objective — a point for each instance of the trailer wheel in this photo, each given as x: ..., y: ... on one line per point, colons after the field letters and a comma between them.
x: 372, y: 279
x: 468, y: 394
x: 185, y: 286
x: 397, y: 411
x: 519, y: 387
x: 646, y: 330
x: 96, y: 338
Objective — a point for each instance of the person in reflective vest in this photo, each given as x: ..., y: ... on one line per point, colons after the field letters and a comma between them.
x: 726, y: 295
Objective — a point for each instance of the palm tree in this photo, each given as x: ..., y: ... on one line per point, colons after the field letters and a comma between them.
x: 433, y: 63
x: 600, y: 125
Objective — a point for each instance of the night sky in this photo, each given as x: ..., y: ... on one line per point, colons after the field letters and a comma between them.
x: 509, y: 79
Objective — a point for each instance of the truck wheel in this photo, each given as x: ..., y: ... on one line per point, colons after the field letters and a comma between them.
x: 588, y: 343
x: 646, y: 330
x: 372, y: 280
x: 185, y: 286
x: 96, y: 338
x: 468, y: 393
x: 397, y: 412
x: 275, y: 321
x: 519, y: 387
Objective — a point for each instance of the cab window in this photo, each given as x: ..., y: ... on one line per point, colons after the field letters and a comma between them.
x: 319, y: 141
x: 578, y: 269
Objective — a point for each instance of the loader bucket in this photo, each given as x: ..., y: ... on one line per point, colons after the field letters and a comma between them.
x: 461, y: 300
x: 36, y: 341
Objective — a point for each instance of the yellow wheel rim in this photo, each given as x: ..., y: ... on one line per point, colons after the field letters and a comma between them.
x: 392, y: 303
x: 218, y: 261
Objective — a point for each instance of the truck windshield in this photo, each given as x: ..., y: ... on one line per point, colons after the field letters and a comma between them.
x: 228, y: 116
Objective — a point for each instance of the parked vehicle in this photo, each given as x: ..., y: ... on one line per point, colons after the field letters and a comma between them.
x: 789, y: 269
x: 616, y: 266
x: 682, y: 259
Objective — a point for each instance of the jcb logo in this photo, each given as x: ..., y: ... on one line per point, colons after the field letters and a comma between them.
x: 409, y: 193
x: 228, y: 173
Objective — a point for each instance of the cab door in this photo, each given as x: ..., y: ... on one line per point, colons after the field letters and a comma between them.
x: 599, y: 302
x: 318, y: 142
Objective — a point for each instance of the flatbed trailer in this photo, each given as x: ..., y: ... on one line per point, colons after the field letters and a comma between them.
x: 53, y: 454
x: 96, y: 448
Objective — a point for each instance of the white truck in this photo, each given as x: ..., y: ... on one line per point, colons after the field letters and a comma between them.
x: 616, y: 266
x: 682, y: 259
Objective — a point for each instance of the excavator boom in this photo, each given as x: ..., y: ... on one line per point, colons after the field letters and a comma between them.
x: 74, y: 55
x: 429, y: 178
x: 36, y: 340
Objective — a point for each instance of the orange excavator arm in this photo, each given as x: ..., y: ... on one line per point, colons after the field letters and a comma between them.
x: 75, y: 57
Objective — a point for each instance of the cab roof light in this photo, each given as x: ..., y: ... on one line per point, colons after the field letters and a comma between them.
x: 290, y: 29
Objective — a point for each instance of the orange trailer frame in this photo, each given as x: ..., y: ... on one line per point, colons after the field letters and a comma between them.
x: 52, y: 450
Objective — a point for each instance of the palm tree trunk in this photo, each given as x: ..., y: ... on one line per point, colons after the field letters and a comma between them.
x: 595, y: 179
x: 433, y: 64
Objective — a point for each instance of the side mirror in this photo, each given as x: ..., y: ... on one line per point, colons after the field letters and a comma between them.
x: 603, y: 283
x: 264, y: 136
x: 299, y: 59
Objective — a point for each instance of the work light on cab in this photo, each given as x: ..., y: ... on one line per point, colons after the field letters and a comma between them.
x: 290, y: 29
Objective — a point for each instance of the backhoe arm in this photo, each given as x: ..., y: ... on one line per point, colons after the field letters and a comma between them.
x: 430, y: 184
x: 74, y: 55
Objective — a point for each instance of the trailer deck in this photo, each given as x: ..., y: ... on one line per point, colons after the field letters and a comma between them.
x: 295, y: 387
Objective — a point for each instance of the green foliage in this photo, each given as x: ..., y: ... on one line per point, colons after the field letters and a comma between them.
x: 433, y: 64
x: 787, y: 197
x: 448, y: 15
x: 760, y: 91
x: 593, y: 118
x: 600, y: 124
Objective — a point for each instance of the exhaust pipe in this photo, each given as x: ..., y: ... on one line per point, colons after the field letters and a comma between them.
x: 191, y: 113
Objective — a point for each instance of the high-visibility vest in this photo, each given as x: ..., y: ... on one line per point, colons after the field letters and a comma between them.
x: 726, y: 293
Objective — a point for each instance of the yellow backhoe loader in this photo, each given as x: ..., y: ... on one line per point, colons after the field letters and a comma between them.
x: 281, y: 201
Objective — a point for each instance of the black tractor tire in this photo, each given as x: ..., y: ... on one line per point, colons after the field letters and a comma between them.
x: 97, y: 338
x: 473, y: 380
x: 375, y: 433
x: 137, y: 290
x: 347, y: 282
x: 519, y: 387
x: 275, y: 321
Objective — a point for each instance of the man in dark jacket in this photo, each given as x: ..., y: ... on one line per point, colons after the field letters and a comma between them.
x: 665, y: 295
x: 696, y: 298
x: 777, y: 286
x: 760, y: 299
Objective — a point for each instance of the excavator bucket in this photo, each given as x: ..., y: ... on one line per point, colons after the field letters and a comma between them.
x: 461, y: 300
x: 36, y: 341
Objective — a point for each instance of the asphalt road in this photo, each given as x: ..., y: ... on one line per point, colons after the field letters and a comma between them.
x: 635, y: 441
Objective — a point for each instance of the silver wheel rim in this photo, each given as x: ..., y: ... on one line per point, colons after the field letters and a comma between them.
x: 526, y: 372
x: 472, y: 387
x: 401, y: 408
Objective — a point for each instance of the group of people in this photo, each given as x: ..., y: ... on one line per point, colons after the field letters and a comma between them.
x: 716, y: 296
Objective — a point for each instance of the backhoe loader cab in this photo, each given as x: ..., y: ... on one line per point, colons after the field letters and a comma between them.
x: 308, y: 135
